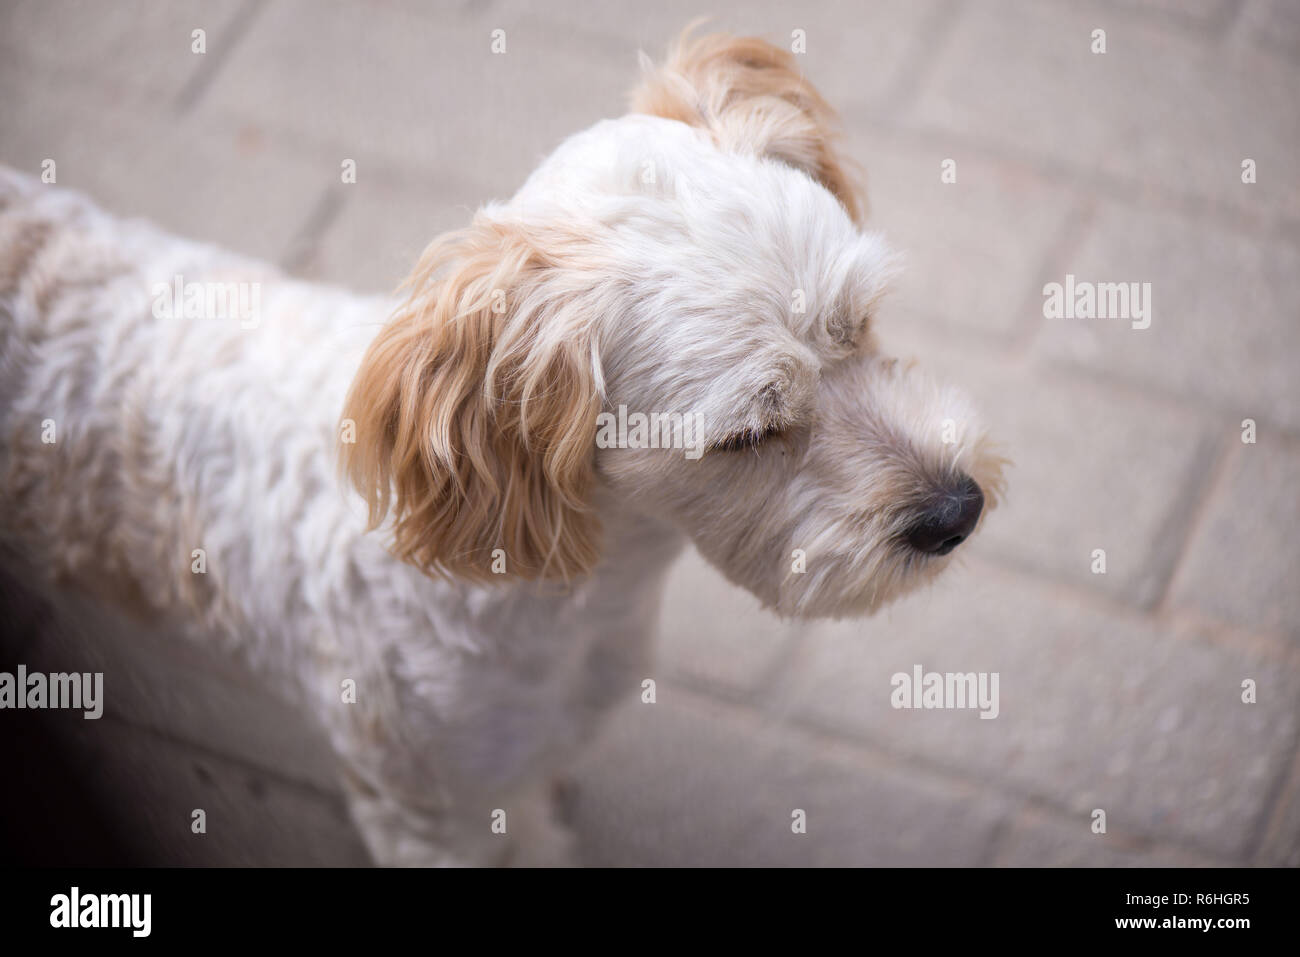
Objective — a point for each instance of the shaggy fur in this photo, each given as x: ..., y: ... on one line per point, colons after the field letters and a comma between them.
x: 485, y: 573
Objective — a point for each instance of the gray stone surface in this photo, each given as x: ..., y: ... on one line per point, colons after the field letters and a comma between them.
x: 687, y: 782
x: 390, y: 216
x: 1273, y: 25
x: 1244, y: 563
x: 1119, y: 691
x: 1220, y: 300
x: 971, y: 248
x: 1097, y: 709
x: 1281, y: 844
x: 715, y: 633
x: 133, y: 51
x: 1161, y: 109
x: 213, y: 180
x: 182, y: 691
x: 417, y: 86
x: 859, y: 54
x: 147, y: 787
x: 1040, y: 840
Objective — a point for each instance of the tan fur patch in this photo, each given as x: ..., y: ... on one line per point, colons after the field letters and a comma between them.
x: 475, y: 412
x: 751, y: 95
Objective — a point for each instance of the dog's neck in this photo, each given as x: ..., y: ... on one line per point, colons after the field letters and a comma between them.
x: 616, y: 602
x: 638, y: 548
x: 624, y: 589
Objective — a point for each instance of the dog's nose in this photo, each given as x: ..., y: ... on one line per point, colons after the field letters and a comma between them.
x: 947, y: 518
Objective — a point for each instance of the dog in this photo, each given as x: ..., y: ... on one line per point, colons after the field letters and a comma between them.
x: 396, y: 509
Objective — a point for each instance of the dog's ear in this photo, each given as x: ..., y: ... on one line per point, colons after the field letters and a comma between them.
x: 751, y: 96
x: 474, y: 413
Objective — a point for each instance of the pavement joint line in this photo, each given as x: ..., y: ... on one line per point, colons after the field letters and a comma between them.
x: 1211, y: 32
x: 1195, y: 495
x: 1071, y: 234
x: 771, y: 683
x: 1285, y: 796
x: 925, y: 53
x: 1213, y: 486
x: 1033, y: 810
x: 234, y: 31
x: 703, y: 687
x: 307, y: 239
x: 241, y: 761
x: 1116, y: 188
x: 1231, y: 25
x: 1117, y: 383
x: 860, y: 751
x: 1270, y: 646
x: 864, y: 751
x: 989, y: 783
x: 992, y: 850
x: 306, y: 144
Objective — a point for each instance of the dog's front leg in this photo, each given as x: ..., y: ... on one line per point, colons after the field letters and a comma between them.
x: 402, y: 832
x: 464, y: 782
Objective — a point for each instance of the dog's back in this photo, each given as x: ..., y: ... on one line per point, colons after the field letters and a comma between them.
x: 134, y: 432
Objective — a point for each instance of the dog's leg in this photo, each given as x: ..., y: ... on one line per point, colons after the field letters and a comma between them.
x: 400, y: 831
x: 539, y: 838
x: 465, y: 792
x: 525, y: 832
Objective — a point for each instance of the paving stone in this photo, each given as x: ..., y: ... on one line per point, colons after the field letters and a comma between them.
x: 147, y: 788
x: 685, y: 783
x: 1160, y: 108
x: 1281, y: 844
x: 715, y: 632
x: 1201, y: 13
x: 185, y: 692
x: 1243, y: 563
x: 132, y: 51
x: 856, y: 54
x: 1097, y: 709
x: 199, y: 179
x: 971, y: 248
x: 383, y: 225
x: 421, y: 90
x: 1273, y: 25
x: 1040, y: 840
x: 1223, y: 315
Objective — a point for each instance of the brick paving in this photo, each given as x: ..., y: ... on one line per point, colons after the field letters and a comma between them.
x: 1119, y: 692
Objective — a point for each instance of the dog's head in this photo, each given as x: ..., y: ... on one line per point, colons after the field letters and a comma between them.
x: 702, y: 260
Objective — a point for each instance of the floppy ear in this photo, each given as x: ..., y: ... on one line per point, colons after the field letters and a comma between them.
x: 475, y: 412
x: 750, y: 95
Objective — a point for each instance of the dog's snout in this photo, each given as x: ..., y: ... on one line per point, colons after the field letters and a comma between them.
x: 947, y: 518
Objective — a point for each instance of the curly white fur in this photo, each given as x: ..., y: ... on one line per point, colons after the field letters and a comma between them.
x: 706, y: 262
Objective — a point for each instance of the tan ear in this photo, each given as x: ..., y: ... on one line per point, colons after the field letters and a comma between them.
x: 750, y: 95
x: 475, y: 414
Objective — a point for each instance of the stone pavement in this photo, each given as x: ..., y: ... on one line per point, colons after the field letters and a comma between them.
x: 1119, y: 691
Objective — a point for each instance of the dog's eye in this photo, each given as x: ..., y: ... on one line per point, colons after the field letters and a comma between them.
x: 747, y: 439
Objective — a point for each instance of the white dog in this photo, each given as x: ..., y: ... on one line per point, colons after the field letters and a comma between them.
x: 173, y: 417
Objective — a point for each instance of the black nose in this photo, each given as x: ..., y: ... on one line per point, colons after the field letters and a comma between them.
x: 947, y: 518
